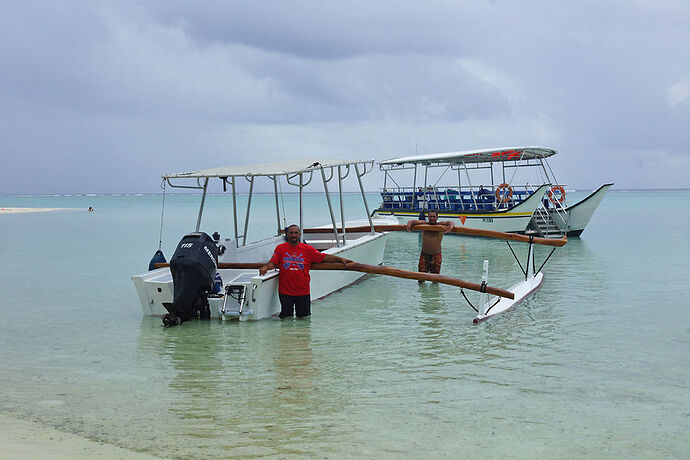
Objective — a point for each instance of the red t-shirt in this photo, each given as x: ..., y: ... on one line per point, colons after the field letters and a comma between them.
x: 294, y: 263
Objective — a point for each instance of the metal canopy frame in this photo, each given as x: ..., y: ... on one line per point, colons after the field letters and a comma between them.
x: 300, y: 178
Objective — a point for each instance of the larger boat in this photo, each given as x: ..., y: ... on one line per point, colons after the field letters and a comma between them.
x: 244, y: 293
x: 508, y: 189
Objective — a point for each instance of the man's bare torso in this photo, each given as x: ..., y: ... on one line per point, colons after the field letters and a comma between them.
x: 431, y: 242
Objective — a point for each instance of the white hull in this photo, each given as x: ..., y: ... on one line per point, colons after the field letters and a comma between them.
x: 512, y: 220
x: 580, y: 213
x: 261, y: 292
x: 522, y: 290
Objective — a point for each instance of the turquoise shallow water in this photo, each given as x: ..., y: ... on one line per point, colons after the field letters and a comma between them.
x: 595, y: 364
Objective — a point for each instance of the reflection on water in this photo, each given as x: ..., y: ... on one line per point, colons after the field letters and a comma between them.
x: 242, y: 389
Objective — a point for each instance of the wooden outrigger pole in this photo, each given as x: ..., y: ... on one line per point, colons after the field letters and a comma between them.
x: 381, y: 270
x: 458, y: 230
x: 505, y: 298
x: 488, y: 307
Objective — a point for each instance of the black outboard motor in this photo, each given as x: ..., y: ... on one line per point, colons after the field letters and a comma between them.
x: 193, y: 267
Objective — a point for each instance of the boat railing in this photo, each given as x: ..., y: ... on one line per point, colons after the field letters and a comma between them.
x: 451, y: 198
x: 549, y: 204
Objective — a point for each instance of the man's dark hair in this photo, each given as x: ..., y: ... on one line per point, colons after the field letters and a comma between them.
x: 290, y: 226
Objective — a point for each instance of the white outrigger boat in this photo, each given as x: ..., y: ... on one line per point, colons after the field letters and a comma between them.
x: 182, y: 293
x: 487, y: 194
x: 245, y: 294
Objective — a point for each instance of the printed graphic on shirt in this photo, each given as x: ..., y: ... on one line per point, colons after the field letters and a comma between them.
x: 293, y: 260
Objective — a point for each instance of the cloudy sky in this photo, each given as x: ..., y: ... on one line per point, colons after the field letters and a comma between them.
x: 105, y: 96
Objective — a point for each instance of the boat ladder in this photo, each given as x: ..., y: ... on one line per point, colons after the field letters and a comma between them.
x: 238, y: 292
x: 544, y: 224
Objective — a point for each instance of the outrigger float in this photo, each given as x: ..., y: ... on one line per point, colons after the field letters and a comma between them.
x: 184, y: 288
x: 499, y: 302
x: 482, y: 189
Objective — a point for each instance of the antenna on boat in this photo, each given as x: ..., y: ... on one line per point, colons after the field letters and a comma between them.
x: 160, y: 236
x: 158, y: 257
x: 282, y: 202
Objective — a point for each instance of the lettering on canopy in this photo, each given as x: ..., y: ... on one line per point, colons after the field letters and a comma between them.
x: 509, y: 154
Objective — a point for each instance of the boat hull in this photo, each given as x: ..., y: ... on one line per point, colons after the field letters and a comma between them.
x: 259, y: 294
x: 579, y: 214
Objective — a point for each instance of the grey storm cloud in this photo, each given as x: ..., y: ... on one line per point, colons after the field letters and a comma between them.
x: 133, y: 89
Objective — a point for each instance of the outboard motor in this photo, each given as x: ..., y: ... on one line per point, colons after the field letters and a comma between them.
x: 193, y: 267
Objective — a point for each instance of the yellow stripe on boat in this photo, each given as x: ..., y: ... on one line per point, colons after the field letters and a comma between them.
x: 441, y: 214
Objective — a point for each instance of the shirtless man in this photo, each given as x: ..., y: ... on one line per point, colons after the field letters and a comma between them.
x: 430, y: 258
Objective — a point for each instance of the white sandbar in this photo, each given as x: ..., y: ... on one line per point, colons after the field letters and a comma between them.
x: 16, y: 210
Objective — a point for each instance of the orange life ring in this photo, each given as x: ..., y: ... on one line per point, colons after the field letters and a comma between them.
x: 561, y: 193
x: 507, y: 197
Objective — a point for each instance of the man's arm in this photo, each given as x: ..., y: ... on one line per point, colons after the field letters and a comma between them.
x: 448, y: 224
x: 335, y: 259
x: 266, y: 268
x: 410, y: 223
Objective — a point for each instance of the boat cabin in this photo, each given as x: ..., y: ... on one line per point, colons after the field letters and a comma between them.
x: 466, y: 181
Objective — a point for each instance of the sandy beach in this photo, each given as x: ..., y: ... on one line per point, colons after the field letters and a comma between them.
x: 23, y: 440
x: 18, y: 210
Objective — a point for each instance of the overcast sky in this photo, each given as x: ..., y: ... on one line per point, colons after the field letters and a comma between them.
x: 103, y: 97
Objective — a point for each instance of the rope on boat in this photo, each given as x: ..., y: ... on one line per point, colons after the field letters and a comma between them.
x: 160, y: 235
x: 282, y: 202
x: 482, y: 289
x: 462, y: 291
x: 488, y: 309
x: 547, y: 259
x: 524, y: 272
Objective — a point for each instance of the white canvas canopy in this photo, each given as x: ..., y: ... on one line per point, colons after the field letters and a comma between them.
x: 297, y: 166
x: 475, y: 156
x: 298, y: 173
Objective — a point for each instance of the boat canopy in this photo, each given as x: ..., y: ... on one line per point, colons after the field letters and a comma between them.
x: 474, y: 156
x: 288, y: 168
x: 298, y: 173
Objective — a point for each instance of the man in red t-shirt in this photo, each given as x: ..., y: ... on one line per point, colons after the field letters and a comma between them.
x: 294, y: 260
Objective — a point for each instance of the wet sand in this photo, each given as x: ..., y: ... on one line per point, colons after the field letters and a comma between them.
x: 23, y: 440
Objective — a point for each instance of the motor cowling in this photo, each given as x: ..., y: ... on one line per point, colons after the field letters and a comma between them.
x: 193, y: 267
